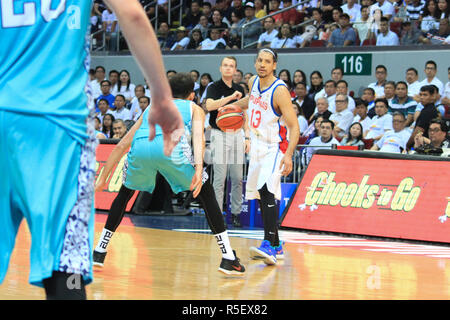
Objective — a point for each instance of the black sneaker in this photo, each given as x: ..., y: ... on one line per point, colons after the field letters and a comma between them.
x: 232, y: 267
x: 99, y: 258
x: 236, y: 221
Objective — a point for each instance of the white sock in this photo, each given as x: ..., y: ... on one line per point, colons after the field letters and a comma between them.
x: 104, y: 240
x: 224, y: 244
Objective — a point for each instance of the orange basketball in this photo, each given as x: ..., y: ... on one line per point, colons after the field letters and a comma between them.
x: 230, y: 117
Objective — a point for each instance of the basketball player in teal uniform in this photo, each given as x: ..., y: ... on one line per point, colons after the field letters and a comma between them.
x: 47, y: 142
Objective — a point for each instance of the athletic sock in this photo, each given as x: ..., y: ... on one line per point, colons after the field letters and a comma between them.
x: 224, y: 244
x: 104, y: 240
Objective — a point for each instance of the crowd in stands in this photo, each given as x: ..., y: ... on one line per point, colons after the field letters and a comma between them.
x: 219, y: 24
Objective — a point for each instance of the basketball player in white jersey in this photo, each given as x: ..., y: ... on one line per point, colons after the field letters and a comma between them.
x: 274, y: 134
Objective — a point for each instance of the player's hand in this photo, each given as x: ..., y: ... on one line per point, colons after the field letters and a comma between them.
x: 286, y: 165
x: 100, y: 183
x: 236, y: 95
x: 167, y: 116
x: 196, y: 184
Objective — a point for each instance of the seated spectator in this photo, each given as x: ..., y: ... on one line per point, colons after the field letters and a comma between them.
x: 342, y: 118
x: 337, y: 74
x: 301, y: 98
x: 322, y: 110
x: 144, y: 102
x: 394, y: 140
x: 107, y: 122
x: 354, y: 136
x: 237, y: 8
x: 430, y: 77
x: 285, y: 75
x: 428, y: 113
x: 266, y: 38
x: 361, y: 24
x: 325, y: 140
x: 253, y: 31
x: 119, y: 129
x: 260, y: 12
x: 446, y: 96
x: 369, y: 96
x: 105, y: 87
x: 343, y: 36
x: 429, y: 18
x: 306, y: 37
x: 125, y: 87
x: 99, y: 76
x: 342, y: 88
x: 238, y: 76
x: 182, y: 40
x: 410, y: 35
x: 218, y: 21
x: 214, y: 41
x: 313, y: 130
x: 437, y: 135
x: 195, y: 39
x: 444, y: 8
x: 412, y: 79
x: 316, y: 80
x: 207, y: 11
x: 389, y: 91
x: 381, y: 123
x: 234, y: 39
x: 403, y: 103
x: 436, y: 36
x: 104, y: 108
x: 386, y: 7
x: 327, y: 7
x: 414, y: 9
x: 111, y: 27
x: 302, y: 122
x: 329, y: 94
x: 318, y: 21
x: 352, y: 9
x: 274, y: 6
x: 291, y: 16
x: 361, y: 114
x: 98, y: 127
x: 192, y: 17
x: 203, y: 25
x: 135, y: 110
x: 121, y: 112
x: 378, y: 86
x: 300, y: 76
x: 385, y: 36
x: 165, y: 37
x: 284, y: 38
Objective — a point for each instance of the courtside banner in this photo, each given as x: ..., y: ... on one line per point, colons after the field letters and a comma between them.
x: 375, y: 194
x: 104, y: 199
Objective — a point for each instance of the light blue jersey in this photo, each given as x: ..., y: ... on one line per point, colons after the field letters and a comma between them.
x: 44, y: 56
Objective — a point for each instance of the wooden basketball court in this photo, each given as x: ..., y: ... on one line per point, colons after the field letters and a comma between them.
x: 144, y: 263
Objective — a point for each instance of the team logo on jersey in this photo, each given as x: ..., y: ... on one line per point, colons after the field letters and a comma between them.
x: 258, y: 101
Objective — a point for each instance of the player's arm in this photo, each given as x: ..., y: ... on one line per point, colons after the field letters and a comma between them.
x: 144, y: 46
x: 282, y: 100
x: 198, y: 143
x: 243, y: 103
x: 212, y: 104
x: 119, y: 150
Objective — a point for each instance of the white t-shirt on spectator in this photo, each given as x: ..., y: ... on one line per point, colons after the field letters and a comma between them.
x: 109, y: 18
x: 362, y: 27
x: 364, y: 123
x: 354, y: 12
x: 317, y: 144
x: 343, y: 120
x: 438, y: 83
x: 95, y: 88
x: 447, y: 40
x: 379, y: 126
x: 390, y: 39
x: 379, y: 89
x: 303, y: 124
x: 123, y: 114
x: 183, y: 43
x: 387, y: 8
x: 413, y: 88
x: 392, y: 141
x: 278, y: 43
x: 268, y: 37
x: 209, y: 44
x: 128, y: 94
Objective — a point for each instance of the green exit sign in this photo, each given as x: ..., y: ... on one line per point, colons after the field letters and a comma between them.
x: 354, y: 64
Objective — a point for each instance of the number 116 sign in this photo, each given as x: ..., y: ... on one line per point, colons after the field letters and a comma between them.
x: 354, y: 64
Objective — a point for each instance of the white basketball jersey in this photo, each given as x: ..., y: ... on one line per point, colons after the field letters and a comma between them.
x: 265, y: 124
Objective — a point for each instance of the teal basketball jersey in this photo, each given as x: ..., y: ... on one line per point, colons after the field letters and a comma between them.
x: 44, y: 56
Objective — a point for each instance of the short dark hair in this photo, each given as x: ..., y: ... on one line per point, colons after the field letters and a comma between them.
x: 121, y: 95
x: 331, y: 81
x: 380, y: 66
x: 145, y: 97
x: 398, y: 113
x: 413, y: 70
x: 383, y: 100
x: 100, y: 67
x: 428, y: 88
x: 401, y: 82
x: 182, y: 85
x: 345, y: 16
x: 359, y: 101
x: 441, y: 123
x: 208, y: 4
x: 342, y: 81
x: 370, y: 89
x: 328, y: 121
x: 303, y: 83
x: 384, y: 19
x: 431, y: 62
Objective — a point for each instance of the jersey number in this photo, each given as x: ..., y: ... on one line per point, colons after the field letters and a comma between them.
x: 256, y: 118
x: 28, y: 17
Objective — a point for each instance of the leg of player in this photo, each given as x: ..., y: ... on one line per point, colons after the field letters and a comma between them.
x: 65, y: 286
x: 115, y: 216
x: 230, y: 264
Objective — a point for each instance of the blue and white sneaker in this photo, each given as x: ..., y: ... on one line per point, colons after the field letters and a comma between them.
x: 279, y: 251
x: 265, y: 252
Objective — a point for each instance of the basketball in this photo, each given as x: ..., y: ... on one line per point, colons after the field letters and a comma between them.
x: 230, y: 117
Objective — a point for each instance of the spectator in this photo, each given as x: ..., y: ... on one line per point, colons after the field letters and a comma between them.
x: 354, y: 136
x: 446, y: 96
x: 96, y: 25
x: 166, y: 38
x: 290, y: 16
x: 237, y: 7
x: 144, y: 102
x: 403, y: 103
x: 410, y: 35
x: 330, y: 95
x: 95, y: 84
x: 203, y: 26
x: 303, y: 101
x: 429, y: 18
x: 430, y: 73
x: 389, y: 91
x: 437, y: 135
x: 313, y: 130
x: 316, y: 80
x: 207, y: 11
x: 121, y: 112
x: 135, y: 109
x: 192, y: 17
x: 119, y: 129
x: 342, y: 88
x: 205, y: 80
x: 98, y: 126
x: 107, y: 122
x: 369, y: 96
x: 113, y: 77
x: 342, y: 118
x: 428, y: 113
x: 238, y: 76
x: 195, y: 40
x: 335, y: 14
x: 234, y: 40
x: 265, y: 39
x: 104, y: 108
x: 353, y: 9
x: 252, y: 32
x: 394, y: 140
x: 170, y: 73
x: 274, y: 6
x: 412, y: 79
x: 304, y: 39
x: 345, y: 35
x: 327, y: 8
x: 182, y: 40
x: 414, y: 9
x: 218, y: 20
x: 300, y: 76
x: 215, y: 41
x: 385, y: 36
x: 284, y: 38
x: 125, y: 87
x: 361, y: 109
x: 285, y: 75
x: 302, y: 122
x: 325, y: 140
x: 318, y: 21
x: 105, y: 87
x: 436, y: 36
x: 387, y: 9
x: 247, y: 77
x: 378, y: 86
x: 322, y: 110
x: 361, y: 24
x: 382, y: 121
x: 444, y: 8
x: 111, y: 27
x: 260, y: 12
x: 337, y: 74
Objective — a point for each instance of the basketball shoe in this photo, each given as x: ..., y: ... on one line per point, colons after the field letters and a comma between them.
x: 232, y: 267
x: 98, y: 258
x: 279, y: 251
x: 265, y: 252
